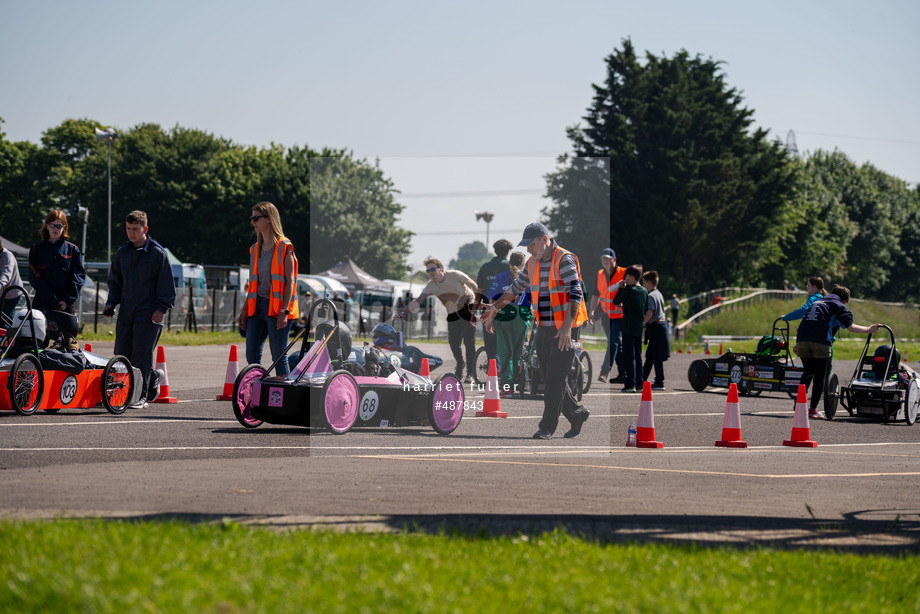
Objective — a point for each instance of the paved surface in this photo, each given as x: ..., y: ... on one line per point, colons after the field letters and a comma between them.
x: 858, y: 489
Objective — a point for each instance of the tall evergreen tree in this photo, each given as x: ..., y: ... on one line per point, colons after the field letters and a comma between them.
x: 693, y: 191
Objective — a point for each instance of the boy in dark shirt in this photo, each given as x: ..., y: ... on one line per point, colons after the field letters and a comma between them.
x: 634, y: 299
x: 815, y: 337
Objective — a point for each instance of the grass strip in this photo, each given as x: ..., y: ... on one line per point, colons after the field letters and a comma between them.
x: 128, y: 566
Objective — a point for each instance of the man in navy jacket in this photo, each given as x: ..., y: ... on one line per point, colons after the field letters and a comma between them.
x: 141, y: 281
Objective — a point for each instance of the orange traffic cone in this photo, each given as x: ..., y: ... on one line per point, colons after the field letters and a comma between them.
x: 424, y: 370
x: 645, y: 432
x: 164, y: 378
x: 731, y: 424
x: 233, y: 369
x: 88, y: 347
x: 679, y: 351
x: 492, y: 406
x: 801, y: 433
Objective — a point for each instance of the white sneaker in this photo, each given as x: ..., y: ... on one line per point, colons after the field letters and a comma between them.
x: 142, y: 404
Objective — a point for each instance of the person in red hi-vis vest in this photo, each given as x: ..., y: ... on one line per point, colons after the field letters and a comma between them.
x: 271, y: 302
x: 553, y: 277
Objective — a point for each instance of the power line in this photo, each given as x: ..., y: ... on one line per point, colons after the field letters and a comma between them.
x: 861, y: 138
x: 485, y: 193
x: 462, y: 232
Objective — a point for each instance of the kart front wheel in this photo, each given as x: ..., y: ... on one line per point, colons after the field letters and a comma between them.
x: 481, y: 366
x: 242, y: 395
x: 117, y: 383
x: 588, y: 370
x: 26, y: 384
x: 340, y: 402
x: 831, y: 396
x: 911, y: 402
x: 445, y: 408
x: 699, y: 375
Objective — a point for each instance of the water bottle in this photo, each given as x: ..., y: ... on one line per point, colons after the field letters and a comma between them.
x: 631, y: 435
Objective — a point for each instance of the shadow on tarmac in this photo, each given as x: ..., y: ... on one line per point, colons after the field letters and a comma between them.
x: 886, y: 532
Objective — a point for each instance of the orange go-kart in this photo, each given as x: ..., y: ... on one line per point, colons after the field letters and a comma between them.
x: 26, y: 386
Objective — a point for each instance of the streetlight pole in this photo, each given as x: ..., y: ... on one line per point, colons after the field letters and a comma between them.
x: 108, y: 135
x: 487, y: 217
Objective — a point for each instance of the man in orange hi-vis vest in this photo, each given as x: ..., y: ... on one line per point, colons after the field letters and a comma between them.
x: 608, y: 282
x: 553, y: 277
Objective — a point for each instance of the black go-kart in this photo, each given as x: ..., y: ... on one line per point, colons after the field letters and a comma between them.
x: 770, y: 368
x: 882, y: 387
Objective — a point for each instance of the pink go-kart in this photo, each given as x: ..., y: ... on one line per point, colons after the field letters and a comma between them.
x: 326, y: 390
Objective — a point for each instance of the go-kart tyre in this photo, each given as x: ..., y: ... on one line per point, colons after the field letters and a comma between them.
x: 911, y: 402
x: 26, y: 384
x: 831, y: 396
x: 699, y: 375
x: 481, y: 366
x: 117, y: 384
x: 588, y: 370
x: 242, y: 395
x: 519, y: 381
x: 340, y: 402
x: 445, y: 409
x: 576, y: 380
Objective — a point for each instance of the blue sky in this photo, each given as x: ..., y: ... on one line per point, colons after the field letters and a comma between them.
x: 453, y: 97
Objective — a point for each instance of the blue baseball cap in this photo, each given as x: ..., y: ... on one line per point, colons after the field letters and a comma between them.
x: 609, y: 252
x: 533, y: 231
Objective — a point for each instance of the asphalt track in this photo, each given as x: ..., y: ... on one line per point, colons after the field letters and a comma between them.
x: 857, y: 490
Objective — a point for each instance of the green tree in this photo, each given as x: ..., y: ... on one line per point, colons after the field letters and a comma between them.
x: 352, y: 214
x: 692, y: 188
x: 469, y: 258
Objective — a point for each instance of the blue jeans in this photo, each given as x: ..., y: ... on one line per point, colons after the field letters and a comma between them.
x: 614, y: 353
x: 259, y: 326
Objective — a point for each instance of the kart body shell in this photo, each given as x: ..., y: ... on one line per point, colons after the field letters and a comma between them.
x: 325, y: 390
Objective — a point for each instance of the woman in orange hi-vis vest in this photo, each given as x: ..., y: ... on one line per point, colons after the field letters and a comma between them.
x: 271, y: 302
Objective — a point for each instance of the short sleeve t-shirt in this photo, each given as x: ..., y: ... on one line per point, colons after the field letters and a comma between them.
x: 453, y: 291
x: 656, y: 304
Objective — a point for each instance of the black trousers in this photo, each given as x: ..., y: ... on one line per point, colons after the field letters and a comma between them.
x: 555, y: 365
x: 136, y: 340
x: 459, y: 330
x: 813, y: 372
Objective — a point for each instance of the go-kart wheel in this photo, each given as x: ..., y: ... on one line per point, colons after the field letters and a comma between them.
x: 699, y: 375
x: 481, y: 366
x: 445, y: 409
x: 519, y: 381
x: 588, y: 370
x: 117, y: 383
x: 576, y: 380
x: 26, y: 384
x: 831, y: 396
x: 242, y: 395
x: 911, y: 402
x: 340, y: 402
x: 413, y: 358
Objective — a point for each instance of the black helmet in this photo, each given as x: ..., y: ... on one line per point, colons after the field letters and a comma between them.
x: 880, y: 359
x: 342, y: 340
x: 62, y: 323
x: 384, y: 336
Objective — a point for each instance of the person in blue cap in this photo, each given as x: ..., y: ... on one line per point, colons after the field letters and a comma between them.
x: 553, y: 277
